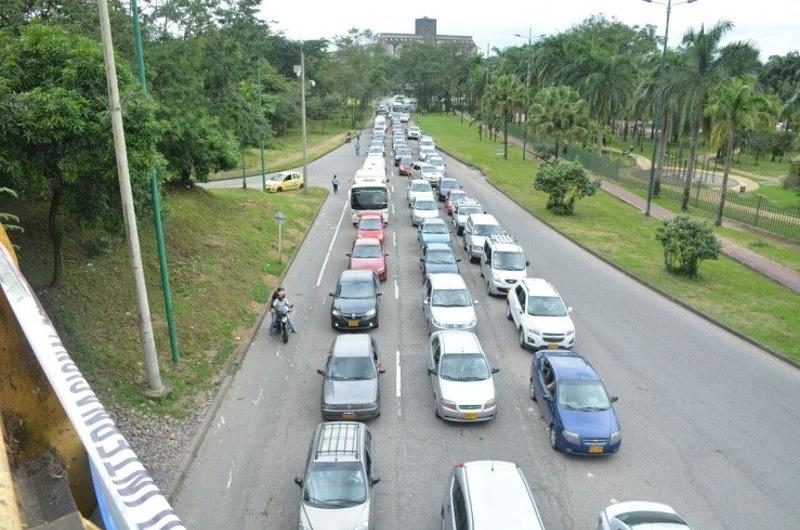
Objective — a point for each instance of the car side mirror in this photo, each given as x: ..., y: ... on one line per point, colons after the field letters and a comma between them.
x: 569, y: 310
x: 380, y: 294
x: 527, y: 263
x: 348, y: 254
x: 331, y: 294
x: 458, y: 260
x: 422, y: 260
x: 381, y: 371
x: 432, y: 371
x: 298, y: 481
x: 385, y: 253
x: 614, y: 399
x: 375, y: 480
x: 475, y: 302
x: 495, y: 370
x: 426, y: 302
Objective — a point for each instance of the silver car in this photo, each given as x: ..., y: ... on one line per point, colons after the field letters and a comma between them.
x: 447, y: 303
x: 462, y: 211
x: 463, y: 386
x: 351, y: 389
x: 338, y: 480
x: 418, y: 188
x: 423, y: 208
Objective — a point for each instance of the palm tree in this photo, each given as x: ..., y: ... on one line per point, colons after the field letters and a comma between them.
x: 559, y: 112
x: 735, y: 105
x: 705, y: 65
x: 504, y: 95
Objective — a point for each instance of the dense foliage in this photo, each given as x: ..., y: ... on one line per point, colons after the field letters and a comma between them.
x: 565, y: 182
x: 687, y: 241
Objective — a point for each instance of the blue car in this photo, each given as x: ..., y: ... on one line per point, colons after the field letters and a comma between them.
x: 574, y: 403
x: 438, y: 258
x: 433, y: 230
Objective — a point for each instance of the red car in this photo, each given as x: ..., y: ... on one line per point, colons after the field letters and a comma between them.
x: 453, y: 198
x: 370, y: 226
x: 404, y: 167
x: 368, y: 254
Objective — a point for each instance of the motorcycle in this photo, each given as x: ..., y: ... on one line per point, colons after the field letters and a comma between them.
x: 282, y: 324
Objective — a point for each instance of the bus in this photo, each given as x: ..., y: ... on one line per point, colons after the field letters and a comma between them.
x: 372, y: 197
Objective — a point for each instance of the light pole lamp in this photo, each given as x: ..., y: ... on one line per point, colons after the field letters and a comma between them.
x: 659, y: 100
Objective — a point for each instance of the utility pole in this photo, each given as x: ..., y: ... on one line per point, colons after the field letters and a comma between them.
x: 527, y: 98
x: 262, y: 133
x: 303, y: 111
x: 157, y: 386
x: 485, y: 93
x: 156, y: 199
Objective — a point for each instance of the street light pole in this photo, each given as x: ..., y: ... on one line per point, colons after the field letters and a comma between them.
x: 157, y: 386
x: 156, y: 199
x: 261, y: 133
x: 303, y: 111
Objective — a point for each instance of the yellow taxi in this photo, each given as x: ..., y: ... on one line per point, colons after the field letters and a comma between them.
x: 285, y: 181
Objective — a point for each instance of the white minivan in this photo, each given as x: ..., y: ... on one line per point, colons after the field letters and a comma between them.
x: 503, y: 263
x: 477, y: 228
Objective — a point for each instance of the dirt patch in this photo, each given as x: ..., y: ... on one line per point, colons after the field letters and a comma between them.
x: 254, y: 203
x: 214, y: 242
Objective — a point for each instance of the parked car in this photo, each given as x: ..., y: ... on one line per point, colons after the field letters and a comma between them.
x: 462, y: 212
x: 478, y: 227
x: 488, y: 495
x: 351, y: 388
x: 288, y: 180
x: 404, y: 165
x: 418, y: 188
x: 445, y: 186
x: 503, y: 263
x: 338, y: 478
x: 637, y: 514
x: 368, y: 254
x: 438, y: 258
x: 574, y: 403
x: 355, y: 301
x: 423, y: 208
x: 371, y: 225
x: 463, y: 387
x: 447, y: 303
x: 433, y: 230
x: 539, y: 315
x: 454, y: 197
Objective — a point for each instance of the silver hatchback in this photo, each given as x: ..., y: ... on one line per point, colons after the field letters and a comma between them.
x: 351, y: 388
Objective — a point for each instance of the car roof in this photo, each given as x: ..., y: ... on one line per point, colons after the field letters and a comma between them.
x: 499, y: 496
x: 539, y: 287
x: 568, y: 365
x: 419, y: 181
x: 469, y: 202
x: 438, y: 246
x: 367, y: 241
x: 423, y: 198
x: 637, y: 506
x: 483, y: 219
x: 361, y: 275
x: 356, y: 345
x: 507, y: 247
x: 338, y: 441
x: 433, y: 221
x: 448, y: 179
x: 459, y: 341
x: 447, y: 280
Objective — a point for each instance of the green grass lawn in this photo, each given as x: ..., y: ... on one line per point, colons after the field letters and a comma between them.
x: 724, y: 289
x: 224, y: 265
x: 765, y: 166
x: 782, y: 198
x: 286, y: 151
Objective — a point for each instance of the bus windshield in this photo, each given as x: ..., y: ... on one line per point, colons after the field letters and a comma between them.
x: 369, y: 198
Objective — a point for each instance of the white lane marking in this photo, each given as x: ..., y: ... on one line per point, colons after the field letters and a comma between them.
x: 258, y: 399
x: 614, y: 501
x: 392, y: 208
x: 396, y: 290
x: 394, y: 238
x: 392, y: 188
x: 398, y: 378
x: 278, y: 353
x: 330, y: 247
x: 230, y: 474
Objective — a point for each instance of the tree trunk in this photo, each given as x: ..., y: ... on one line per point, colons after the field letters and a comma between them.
x: 660, y: 152
x: 505, y: 138
x: 600, y: 127
x: 625, y: 131
x: 557, y: 148
x: 56, y: 235
x: 687, y: 181
x: 244, y: 178
x: 726, y: 172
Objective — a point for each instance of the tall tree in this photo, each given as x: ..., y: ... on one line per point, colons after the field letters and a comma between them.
x: 735, y: 105
x: 559, y: 112
x: 504, y: 95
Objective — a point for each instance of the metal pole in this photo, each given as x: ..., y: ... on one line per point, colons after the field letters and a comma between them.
x: 261, y: 136
x: 156, y: 199
x: 157, y: 386
x: 659, y: 111
x: 280, y: 243
x: 303, y: 111
x: 527, y: 97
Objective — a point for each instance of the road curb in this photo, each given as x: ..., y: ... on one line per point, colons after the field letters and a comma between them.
x: 632, y: 276
x: 231, y: 369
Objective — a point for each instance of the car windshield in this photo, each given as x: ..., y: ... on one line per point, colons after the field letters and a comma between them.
x: 351, y: 368
x: 646, y: 518
x: 369, y: 198
x: 335, y: 485
x: 370, y: 224
x: 464, y: 367
x: 450, y: 298
x: 436, y: 162
x: 367, y: 251
x: 375, y: 150
x: 424, y: 205
x: 443, y: 257
x: 509, y: 261
x: 362, y: 289
x: 406, y: 160
x: 278, y: 178
x: 546, y: 306
x: 448, y: 184
x: 486, y: 230
x: 434, y: 228
x: 583, y: 395
x: 420, y: 186
x: 466, y: 210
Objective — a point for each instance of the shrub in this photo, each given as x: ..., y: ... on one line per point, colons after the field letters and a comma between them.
x: 792, y: 180
x: 686, y: 242
x: 565, y: 182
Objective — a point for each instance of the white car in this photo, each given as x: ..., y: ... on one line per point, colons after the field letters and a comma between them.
x: 427, y: 141
x: 539, y: 315
x: 427, y: 172
x: 423, y: 208
x: 637, y: 514
x: 418, y: 188
x: 478, y: 227
x: 437, y: 162
x: 427, y: 152
x: 447, y: 302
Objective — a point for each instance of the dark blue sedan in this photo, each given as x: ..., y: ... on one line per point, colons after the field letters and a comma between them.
x: 574, y: 403
x: 438, y: 258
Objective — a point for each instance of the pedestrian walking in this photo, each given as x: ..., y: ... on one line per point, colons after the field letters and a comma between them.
x: 335, y: 184
x: 357, y: 147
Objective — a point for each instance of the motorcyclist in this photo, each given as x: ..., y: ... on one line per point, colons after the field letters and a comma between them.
x: 279, y: 305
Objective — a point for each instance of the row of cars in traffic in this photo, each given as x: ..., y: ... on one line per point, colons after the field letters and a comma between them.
x: 340, y: 471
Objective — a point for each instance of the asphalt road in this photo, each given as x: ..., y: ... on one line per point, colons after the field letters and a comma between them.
x: 709, y: 422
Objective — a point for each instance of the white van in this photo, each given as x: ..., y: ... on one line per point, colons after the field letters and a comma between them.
x: 477, y: 228
x: 503, y: 263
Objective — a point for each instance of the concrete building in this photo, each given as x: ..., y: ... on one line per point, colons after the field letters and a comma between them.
x: 424, y: 32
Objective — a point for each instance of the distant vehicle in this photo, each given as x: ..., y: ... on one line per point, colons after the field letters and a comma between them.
x: 405, y: 116
x: 338, y: 478
x: 404, y: 165
x: 574, y: 403
x: 423, y: 208
x: 478, y: 227
x: 447, y: 303
x: 355, y: 301
x: 438, y: 258
x: 463, y: 387
x: 371, y: 225
x: 462, y: 212
x: 539, y: 315
x: 488, y: 495
x: 503, y: 263
x: 376, y: 150
x: 418, y: 188
x: 445, y: 185
x: 414, y: 133
x: 288, y: 180
x: 633, y: 515
x: 426, y: 152
x: 433, y: 231
x: 351, y: 389
x: 454, y: 198
x: 400, y: 153
x: 368, y: 254
x: 427, y: 172
x: 427, y: 141
x: 438, y: 162
x: 369, y: 197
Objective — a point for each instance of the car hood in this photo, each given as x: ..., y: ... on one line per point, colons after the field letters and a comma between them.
x: 478, y: 240
x: 467, y: 392
x: 461, y: 316
x: 334, y: 518
x: 350, y: 392
x: 354, y: 305
x: 435, y: 238
x: 366, y: 263
x: 377, y: 234
x: 549, y: 324
x: 435, y: 268
x: 508, y: 275
x: 589, y: 424
x: 426, y: 214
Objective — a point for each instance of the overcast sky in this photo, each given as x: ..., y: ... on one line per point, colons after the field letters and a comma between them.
x: 774, y: 25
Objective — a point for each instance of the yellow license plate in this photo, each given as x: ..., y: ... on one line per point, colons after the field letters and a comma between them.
x: 470, y: 415
x: 352, y: 323
x: 595, y: 449
x: 348, y: 415
x: 552, y: 345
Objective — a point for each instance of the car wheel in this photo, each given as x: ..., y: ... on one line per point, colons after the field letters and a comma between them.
x: 508, y: 311
x: 279, y: 189
x: 531, y: 390
x: 522, y: 339
x: 553, y: 438
x: 301, y: 186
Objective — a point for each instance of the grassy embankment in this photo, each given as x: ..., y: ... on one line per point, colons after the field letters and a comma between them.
x: 724, y: 289
x: 222, y: 248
